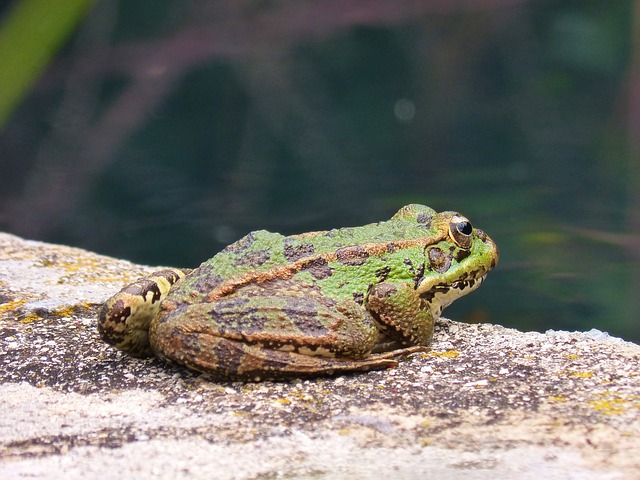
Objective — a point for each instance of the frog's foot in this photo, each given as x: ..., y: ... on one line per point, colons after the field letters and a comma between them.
x: 124, y: 318
x: 401, y: 352
x: 228, y: 359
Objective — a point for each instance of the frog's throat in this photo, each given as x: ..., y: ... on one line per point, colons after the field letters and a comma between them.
x: 439, y: 294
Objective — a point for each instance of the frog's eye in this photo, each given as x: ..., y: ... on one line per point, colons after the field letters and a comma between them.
x: 461, y: 231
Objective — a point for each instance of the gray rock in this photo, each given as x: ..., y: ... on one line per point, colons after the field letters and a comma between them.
x: 486, y: 402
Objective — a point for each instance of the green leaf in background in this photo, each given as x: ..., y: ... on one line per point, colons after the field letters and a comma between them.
x: 30, y: 34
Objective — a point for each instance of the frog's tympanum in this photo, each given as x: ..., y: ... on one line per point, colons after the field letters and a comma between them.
x: 319, y: 303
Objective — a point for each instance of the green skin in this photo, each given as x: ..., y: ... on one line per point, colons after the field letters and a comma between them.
x: 270, y: 306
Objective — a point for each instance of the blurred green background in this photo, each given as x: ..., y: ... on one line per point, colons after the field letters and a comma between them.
x: 161, y: 131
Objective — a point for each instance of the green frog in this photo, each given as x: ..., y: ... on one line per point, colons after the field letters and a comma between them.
x: 271, y: 306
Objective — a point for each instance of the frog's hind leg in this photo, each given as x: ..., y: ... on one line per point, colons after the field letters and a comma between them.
x: 229, y: 359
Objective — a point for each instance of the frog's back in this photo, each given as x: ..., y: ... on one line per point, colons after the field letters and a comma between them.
x: 262, y: 250
x: 263, y: 253
x: 409, y: 223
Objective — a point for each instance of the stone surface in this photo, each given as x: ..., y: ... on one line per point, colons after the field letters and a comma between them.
x: 486, y: 402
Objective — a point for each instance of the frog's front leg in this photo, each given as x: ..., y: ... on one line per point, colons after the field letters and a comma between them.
x: 402, y: 315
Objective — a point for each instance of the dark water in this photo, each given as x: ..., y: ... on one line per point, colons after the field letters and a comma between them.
x: 160, y: 136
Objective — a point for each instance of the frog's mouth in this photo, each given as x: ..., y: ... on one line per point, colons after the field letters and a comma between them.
x: 440, y: 295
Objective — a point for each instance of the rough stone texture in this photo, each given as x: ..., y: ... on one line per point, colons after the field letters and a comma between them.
x: 486, y: 402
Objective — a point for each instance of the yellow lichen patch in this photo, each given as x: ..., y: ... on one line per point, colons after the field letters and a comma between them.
x: 284, y: 401
x: 445, y: 354
x: 296, y: 394
x: 611, y: 404
x: 573, y: 356
x: 557, y: 399
x: 249, y: 387
x: 28, y: 317
x: 63, y: 312
x: 614, y: 406
x: 575, y: 373
x: 581, y: 374
x: 11, y: 306
x: 70, y: 310
x: 74, y: 267
x: 88, y: 306
x: 73, y: 264
x: 31, y: 317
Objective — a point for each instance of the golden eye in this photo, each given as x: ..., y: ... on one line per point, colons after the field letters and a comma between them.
x: 461, y: 231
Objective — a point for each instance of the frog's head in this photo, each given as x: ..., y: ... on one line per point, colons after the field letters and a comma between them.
x: 457, y: 260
